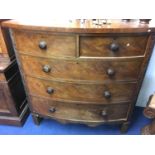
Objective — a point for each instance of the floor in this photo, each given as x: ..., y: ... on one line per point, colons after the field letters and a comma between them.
x: 51, y: 127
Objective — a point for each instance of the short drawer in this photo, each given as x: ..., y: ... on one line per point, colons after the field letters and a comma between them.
x: 95, y: 70
x: 100, y: 93
x: 45, y: 44
x: 79, y: 112
x: 91, y: 46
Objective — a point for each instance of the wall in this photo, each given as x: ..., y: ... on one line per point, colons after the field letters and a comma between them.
x: 148, y: 86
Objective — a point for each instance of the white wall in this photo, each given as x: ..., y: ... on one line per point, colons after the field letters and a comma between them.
x: 148, y: 86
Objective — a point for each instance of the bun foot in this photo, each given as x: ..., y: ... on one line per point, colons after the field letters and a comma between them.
x: 37, y: 119
x: 124, y: 127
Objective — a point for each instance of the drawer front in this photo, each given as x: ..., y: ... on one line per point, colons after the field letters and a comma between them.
x: 79, y: 112
x: 113, y: 46
x: 102, y: 93
x: 81, y: 70
x: 45, y: 45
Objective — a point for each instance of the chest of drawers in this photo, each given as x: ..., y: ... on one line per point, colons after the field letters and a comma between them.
x: 83, y: 74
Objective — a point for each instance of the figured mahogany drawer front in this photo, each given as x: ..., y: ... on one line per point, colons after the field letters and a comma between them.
x: 81, y: 70
x: 113, y: 46
x: 102, y: 93
x: 45, y: 45
x: 79, y: 112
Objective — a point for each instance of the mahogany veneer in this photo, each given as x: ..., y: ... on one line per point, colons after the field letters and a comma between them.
x: 83, y: 73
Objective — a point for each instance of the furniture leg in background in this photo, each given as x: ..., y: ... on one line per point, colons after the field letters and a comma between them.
x: 13, y: 102
x: 149, y: 112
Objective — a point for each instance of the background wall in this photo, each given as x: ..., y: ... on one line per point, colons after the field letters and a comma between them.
x: 148, y: 86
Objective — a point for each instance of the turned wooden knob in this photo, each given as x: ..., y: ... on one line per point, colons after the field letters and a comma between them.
x: 107, y: 94
x: 114, y: 47
x: 52, y: 110
x: 50, y: 90
x: 43, y: 45
x: 46, y: 68
x: 111, y: 72
x: 104, y: 113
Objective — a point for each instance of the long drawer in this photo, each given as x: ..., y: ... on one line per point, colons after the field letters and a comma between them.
x: 114, y: 46
x: 45, y: 44
x: 79, y: 112
x: 86, y: 92
x: 95, y: 70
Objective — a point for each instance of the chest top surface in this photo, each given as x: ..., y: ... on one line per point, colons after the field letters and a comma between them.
x: 82, y: 26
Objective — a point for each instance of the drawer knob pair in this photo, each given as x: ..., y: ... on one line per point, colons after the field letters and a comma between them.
x: 50, y: 90
x: 46, y: 68
x: 114, y: 47
x: 43, y: 45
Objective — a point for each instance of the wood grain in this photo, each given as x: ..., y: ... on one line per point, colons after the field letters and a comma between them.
x: 2, y: 77
x: 3, y: 48
x: 57, y: 45
x: 116, y: 26
x: 100, y: 46
x: 95, y: 70
x: 79, y: 58
x: 81, y: 92
x: 79, y: 112
x: 3, y: 105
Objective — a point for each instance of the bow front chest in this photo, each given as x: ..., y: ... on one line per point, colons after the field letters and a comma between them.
x: 82, y: 73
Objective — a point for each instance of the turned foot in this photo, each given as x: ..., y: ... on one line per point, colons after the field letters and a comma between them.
x: 36, y: 119
x: 124, y: 127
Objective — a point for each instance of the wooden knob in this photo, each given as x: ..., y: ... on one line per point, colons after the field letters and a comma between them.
x: 114, y: 47
x: 107, y: 94
x: 50, y: 90
x: 52, y: 110
x: 104, y: 113
x: 43, y: 45
x: 111, y: 72
x: 46, y: 68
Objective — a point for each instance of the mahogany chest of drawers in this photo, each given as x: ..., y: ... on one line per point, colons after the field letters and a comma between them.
x: 83, y: 73
x: 13, y: 103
